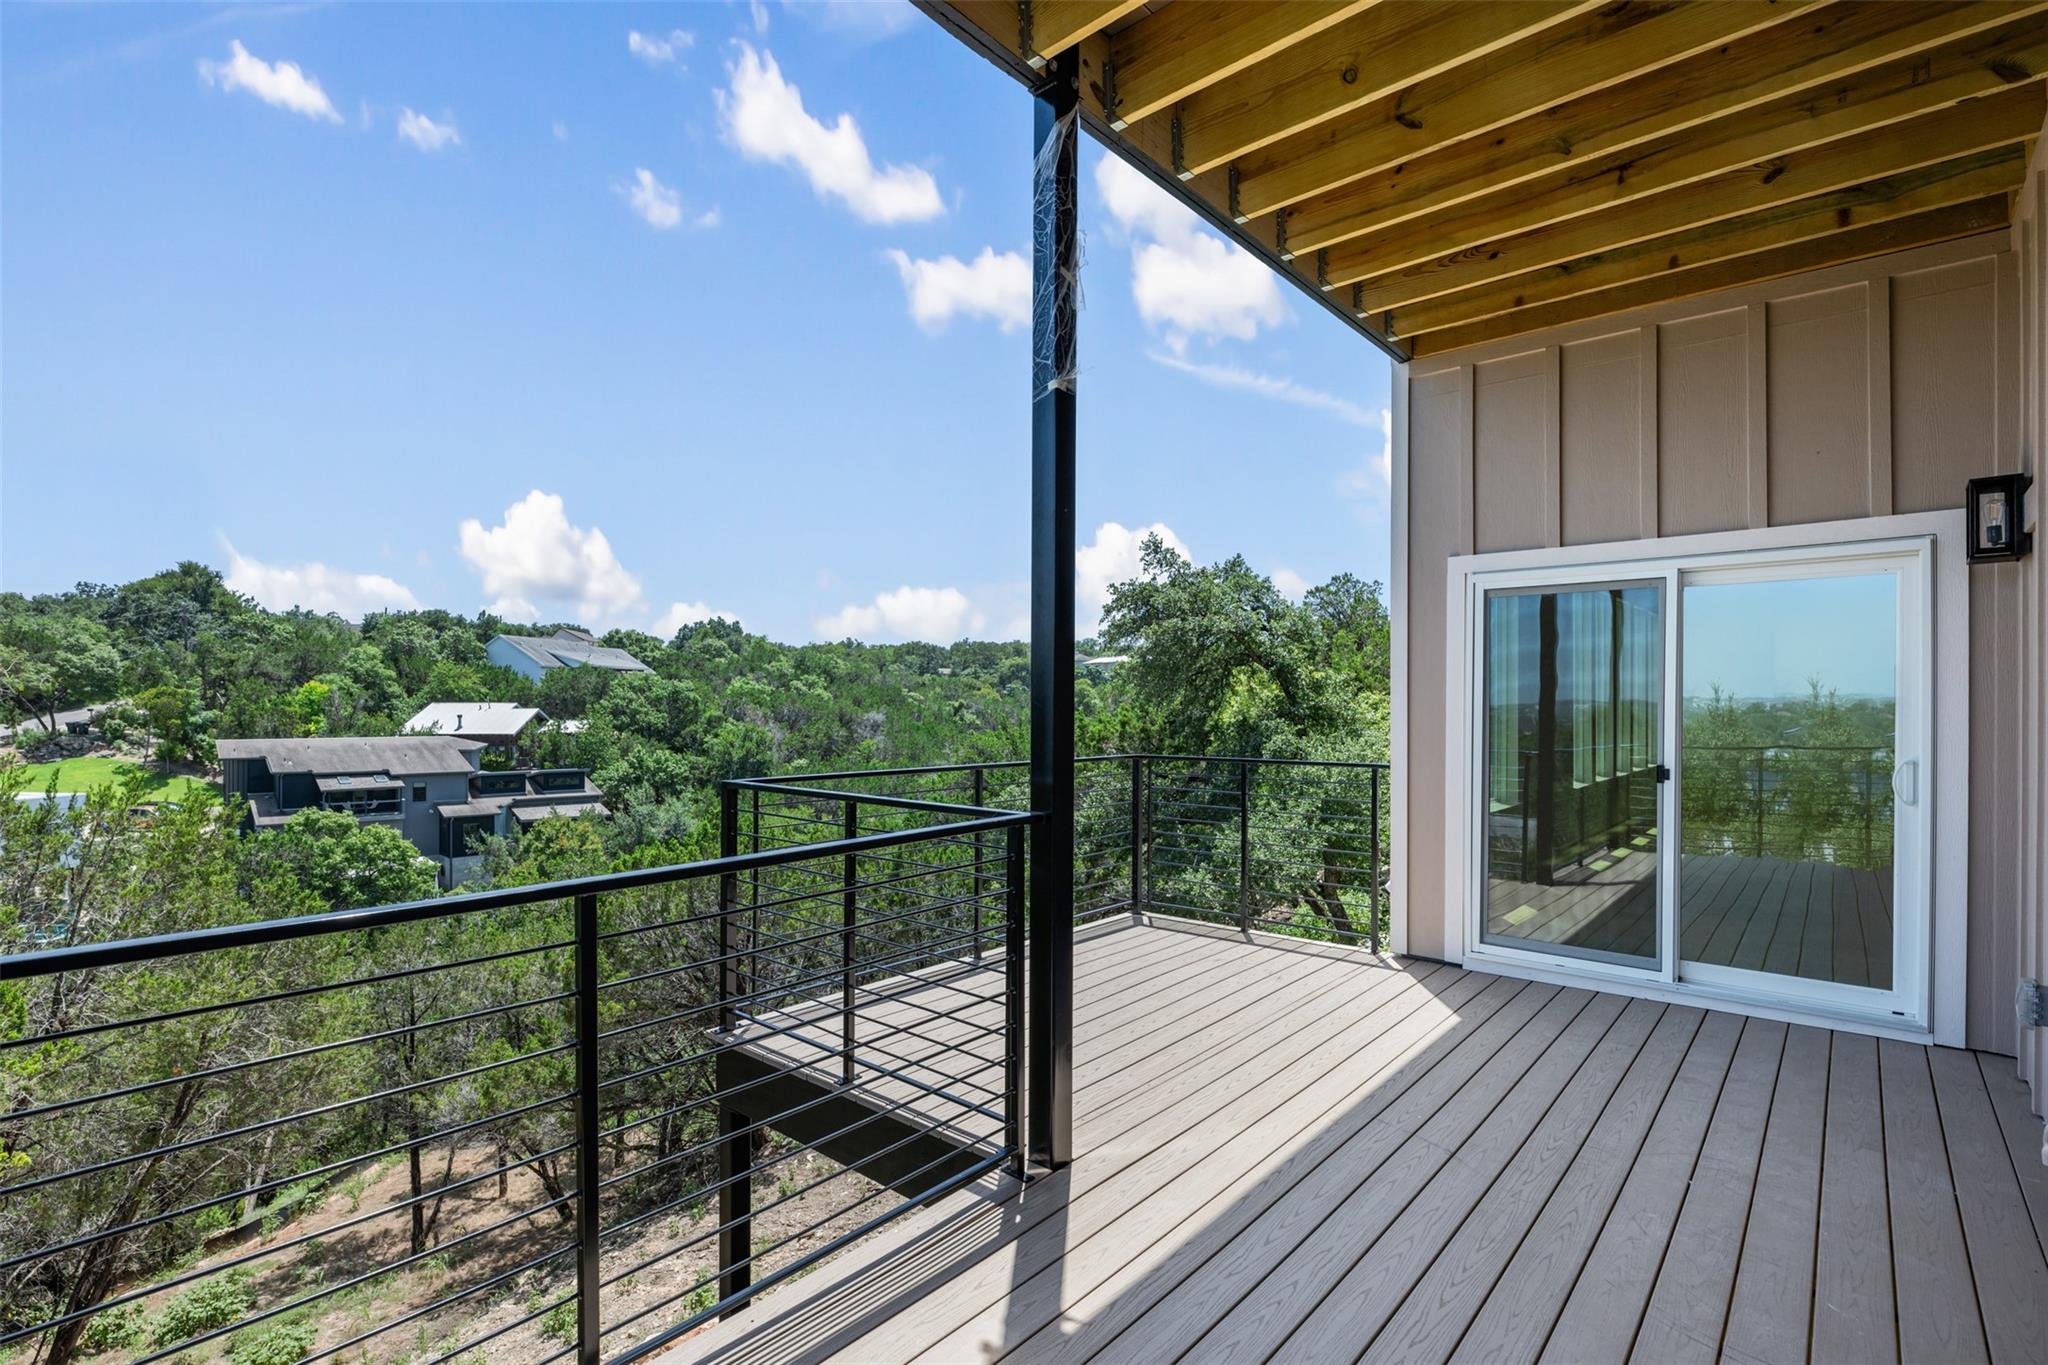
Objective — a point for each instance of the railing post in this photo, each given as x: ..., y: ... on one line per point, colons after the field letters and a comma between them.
x: 1013, y: 995
x: 848, y: 907
x: 1137, y: 833
x: 754, y: 894
x: 1868, y: 805
x: 980, y: 856
x: 1374, y: 932
x: 589, y: 1315
x: 735, y: 1184
x: 1759, y: 803
x: 1244, y: 847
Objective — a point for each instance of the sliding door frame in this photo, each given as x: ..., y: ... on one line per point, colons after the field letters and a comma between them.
x: 1933, y: 1006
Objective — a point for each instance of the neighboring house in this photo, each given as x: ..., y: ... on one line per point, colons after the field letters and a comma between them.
x: 496, y: 723
x: 427, y: 787
x: 533, y: 655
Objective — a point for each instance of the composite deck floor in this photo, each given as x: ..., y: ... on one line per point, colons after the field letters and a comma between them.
x: 1297, y: 1154
x: 1789, y: 917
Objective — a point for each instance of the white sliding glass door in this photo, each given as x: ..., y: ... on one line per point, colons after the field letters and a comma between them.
x: 1707, y: 775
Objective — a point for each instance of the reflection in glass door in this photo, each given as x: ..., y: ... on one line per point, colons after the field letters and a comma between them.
x: 1789, y: 726
x: 1573, y: 696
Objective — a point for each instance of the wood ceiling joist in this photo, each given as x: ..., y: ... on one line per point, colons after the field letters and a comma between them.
x: 1899, y: 234
x: 1348, y: 66
x: 1168, y: 55
x: 1931, y: 187
x: 1829, y: 64
x: 1566, y: 61
x: 1433, y: 257
x: 1057, y: 25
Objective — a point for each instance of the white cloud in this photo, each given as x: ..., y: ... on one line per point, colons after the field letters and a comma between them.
x: 1375, y: 478
x: 758, y: 13
x: 709, y: 218
x: 281, y: 84
x: 1184, y: 277
x: 655, y: 202
x: 861, y: 18
x: 1270, y: 386
x: 940, y: 615
x: 1291, y: 584
x: 765, y: 117
x: 991, y: 286
x: 537, y: 557
x: 657, y: 49
x: 425, y: 134
x: 315, y: 587
x: 680, y: 614
x: 1112, y: 557
x: 561, y: 131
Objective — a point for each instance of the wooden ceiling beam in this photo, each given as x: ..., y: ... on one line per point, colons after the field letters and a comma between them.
x: 1899, y: 234
x: 1939, y: 186
x: 1432, y: 257
x: 1636, y: 131
x: 1057, y: 25
x: 1168, y: 55
x: 1566, y: 61
x: 1348, y: 66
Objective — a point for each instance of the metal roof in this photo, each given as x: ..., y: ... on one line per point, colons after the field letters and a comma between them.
x: 474, y: 719
x: 401, y: 755
x: 563, y: 650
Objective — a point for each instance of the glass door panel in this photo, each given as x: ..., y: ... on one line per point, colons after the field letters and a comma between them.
x: 1573, y: 688
x: 1789, y: 729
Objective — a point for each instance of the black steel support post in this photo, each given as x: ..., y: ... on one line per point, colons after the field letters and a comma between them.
x: 1054, y: 262
x: 849, y: 908
x: 589, y: 1317
x: 1137, y: 833
x: 1013, y: 980
x: 735, y: 1189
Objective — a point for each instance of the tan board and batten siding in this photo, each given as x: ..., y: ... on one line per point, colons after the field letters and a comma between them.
x: 2029, y: 750
x: 1867, y: 389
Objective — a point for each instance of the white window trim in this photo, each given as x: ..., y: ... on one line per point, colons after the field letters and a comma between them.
x: 1944, y: 786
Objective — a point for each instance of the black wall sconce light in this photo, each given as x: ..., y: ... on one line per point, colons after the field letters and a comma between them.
x: 1996, y: 511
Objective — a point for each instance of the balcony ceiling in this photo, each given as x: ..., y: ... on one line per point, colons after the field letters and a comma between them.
x: 1447, y: 172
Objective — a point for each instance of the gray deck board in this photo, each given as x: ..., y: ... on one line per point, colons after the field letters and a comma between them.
x: 1302, y: 1153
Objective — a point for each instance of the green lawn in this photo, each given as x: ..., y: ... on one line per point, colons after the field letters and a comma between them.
x: 84, y: 774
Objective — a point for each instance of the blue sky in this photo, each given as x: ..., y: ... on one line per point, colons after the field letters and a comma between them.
x: 618, y: 313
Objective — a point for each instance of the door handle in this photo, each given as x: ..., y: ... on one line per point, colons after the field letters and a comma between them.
x: 1663, y: 773
x: 1906, y: 782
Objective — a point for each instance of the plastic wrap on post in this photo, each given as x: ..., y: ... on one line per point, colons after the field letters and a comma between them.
x: 1053, y: 350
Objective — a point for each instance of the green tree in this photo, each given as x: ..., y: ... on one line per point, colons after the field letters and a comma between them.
x: 50, y: 662
x: 346, y: 863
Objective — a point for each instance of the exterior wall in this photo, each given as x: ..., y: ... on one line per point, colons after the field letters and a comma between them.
x: 2029, y: 751
x: 509, y: 656
x: 422, y: 825
x: 1855, y: 391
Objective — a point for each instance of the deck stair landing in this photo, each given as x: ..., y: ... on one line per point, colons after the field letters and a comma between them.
x: 1297, y: 1153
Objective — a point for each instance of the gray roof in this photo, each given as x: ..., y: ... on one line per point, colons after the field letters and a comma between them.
x: 401, y: 756
x: 565, y: 650
x: 473, y: 719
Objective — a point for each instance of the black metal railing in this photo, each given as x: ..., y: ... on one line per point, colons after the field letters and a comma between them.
x: 1793, y: 801
x: 531, y: 1100
x: 1290, y: 846
x: 582, y: 1118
